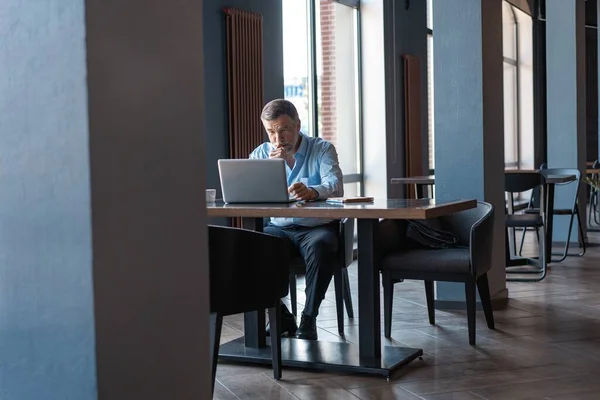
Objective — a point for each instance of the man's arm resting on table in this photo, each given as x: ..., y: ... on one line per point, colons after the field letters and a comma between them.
x: 331, y: 175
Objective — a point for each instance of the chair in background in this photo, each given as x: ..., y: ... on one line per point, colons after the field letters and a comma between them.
x: 520, y: 182
x: 533, y: 204
x: 468, y: 263
x: 248, y: 272
x: 572, y: 211
x: 340, y: 274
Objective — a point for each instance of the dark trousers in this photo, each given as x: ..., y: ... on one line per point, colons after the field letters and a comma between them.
x: 318, y: 247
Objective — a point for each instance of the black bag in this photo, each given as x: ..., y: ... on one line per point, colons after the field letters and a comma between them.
x: 429, y: 236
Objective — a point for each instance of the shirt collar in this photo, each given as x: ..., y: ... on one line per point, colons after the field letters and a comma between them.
x: 303, y: 145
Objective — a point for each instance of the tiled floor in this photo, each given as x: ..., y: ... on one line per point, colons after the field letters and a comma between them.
x: 546, y: 346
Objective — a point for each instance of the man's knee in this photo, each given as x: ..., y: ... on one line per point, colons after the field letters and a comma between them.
x: 322, y: 249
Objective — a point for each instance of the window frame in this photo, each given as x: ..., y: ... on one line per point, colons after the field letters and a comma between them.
x: 514, y: 62
x: 313, y: 82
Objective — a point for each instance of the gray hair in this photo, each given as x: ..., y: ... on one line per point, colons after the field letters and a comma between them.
x: 278, y: 107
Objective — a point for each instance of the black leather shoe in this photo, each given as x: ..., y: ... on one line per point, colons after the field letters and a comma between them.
x: 288, y: 323
x: 308, y: 328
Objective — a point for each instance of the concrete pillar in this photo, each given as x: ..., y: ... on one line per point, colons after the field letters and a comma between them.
x: 469, y: 128
x: 566, y: 104
x: 146, y: 129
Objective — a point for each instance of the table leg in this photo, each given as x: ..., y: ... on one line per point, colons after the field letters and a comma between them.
x: 369, y: 329
x: 254, y: 321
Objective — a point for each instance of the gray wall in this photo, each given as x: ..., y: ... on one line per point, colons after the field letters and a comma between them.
x: 469, y: 137
x: 146, y: 107
x: 565, y: 77
x: 215, y: 72
x: 46, y: 311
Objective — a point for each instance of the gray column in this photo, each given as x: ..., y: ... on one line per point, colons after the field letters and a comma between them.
x: 565, y: 77
x: 469, y: 133
x: 146, y: 127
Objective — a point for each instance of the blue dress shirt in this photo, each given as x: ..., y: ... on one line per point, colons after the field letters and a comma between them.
x: 317, y: 167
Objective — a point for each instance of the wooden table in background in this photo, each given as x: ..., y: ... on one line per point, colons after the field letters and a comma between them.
x: 369, y: 356
x: 419, y: 181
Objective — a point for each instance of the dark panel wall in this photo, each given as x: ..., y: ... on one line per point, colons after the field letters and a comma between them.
x: 46, y: 307
x: 591, y: 70
x: 409, y: 30
x: 146, y: 103
x: 215, y: 72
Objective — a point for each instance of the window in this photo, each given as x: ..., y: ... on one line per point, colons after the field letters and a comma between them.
x: 295, y: 58
x: 517, y: 44
x: 323, y: 79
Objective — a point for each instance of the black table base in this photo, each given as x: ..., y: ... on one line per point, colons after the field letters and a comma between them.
x: 330, y: 356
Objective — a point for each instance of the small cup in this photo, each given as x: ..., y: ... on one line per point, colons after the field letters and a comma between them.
x: 211, y: 195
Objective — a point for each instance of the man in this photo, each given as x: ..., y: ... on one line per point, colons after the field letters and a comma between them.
x: 313, y: 173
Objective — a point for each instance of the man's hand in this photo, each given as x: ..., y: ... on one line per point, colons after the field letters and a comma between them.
x: 280, y: 152
x: 301, y: 192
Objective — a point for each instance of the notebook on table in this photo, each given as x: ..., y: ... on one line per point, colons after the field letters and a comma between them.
x: 346, y: 200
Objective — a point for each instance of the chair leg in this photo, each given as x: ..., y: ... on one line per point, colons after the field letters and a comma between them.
x: 522, y: 241
x: 339, y: 299
x: 216, y: 322
x: 430, y: 301
x: 470, y: 300
x: 566, y: 249
x: 486, y: 301
x: 388, y: 299
x: 567, y: 245
x: 275, y: 322
x: 581, y: 234
x: 347, y: 293
x: 293, y: 294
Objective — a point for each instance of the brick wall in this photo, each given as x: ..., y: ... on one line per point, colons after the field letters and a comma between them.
x: 327, y: 115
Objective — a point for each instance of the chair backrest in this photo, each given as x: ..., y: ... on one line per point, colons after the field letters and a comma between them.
x: 461, y: 223
x: 572, y: 187
x: 517, y: 182
x: 248, y: 270
x: 534, y: 200
x: 474, y: 228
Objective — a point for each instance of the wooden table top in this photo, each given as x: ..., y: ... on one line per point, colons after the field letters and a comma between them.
x: 380, y: 208
x: 419, y: 180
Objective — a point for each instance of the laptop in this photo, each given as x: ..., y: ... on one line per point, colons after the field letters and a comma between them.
x: 254, y: 181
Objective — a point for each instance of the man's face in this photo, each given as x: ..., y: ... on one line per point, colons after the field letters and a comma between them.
x: 283, y: 132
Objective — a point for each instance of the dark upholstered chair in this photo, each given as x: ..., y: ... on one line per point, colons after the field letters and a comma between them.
x: 248, y: 272
x: 340, y: 274
x: 469, y: 262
